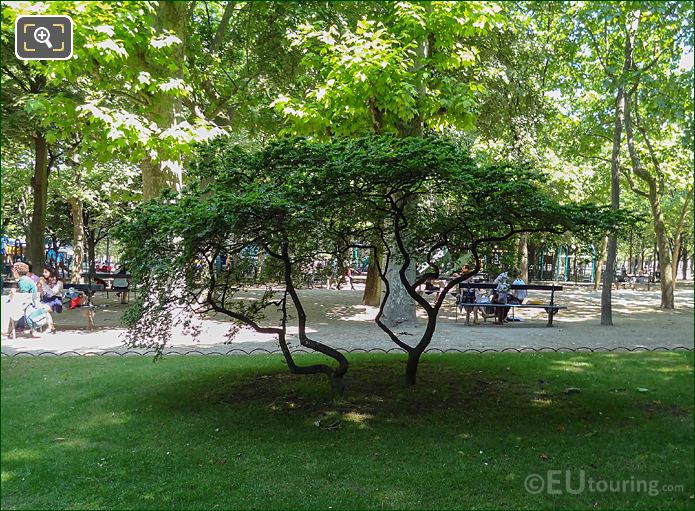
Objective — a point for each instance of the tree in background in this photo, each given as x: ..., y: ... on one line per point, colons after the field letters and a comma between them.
x: 617, y: 46
x: 400, y: 68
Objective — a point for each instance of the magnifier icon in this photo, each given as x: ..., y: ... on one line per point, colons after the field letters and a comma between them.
x: 43, y: 36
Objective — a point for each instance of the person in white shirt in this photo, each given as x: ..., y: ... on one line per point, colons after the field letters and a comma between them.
x: 518, y: 295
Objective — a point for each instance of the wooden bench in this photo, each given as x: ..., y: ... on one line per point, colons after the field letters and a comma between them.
x: 551, y: 308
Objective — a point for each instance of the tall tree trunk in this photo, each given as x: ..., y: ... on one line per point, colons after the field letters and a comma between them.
x: 629, y: 257
x: 165, y: 109
x: 533, y: 257
x: 78, y: 241
x: 612, y: 245
x: 523, y: 257
x: 678, y: 237
x: 91, y: 254
x: 642, y: 255
x: 372, y: 287
x: 667, y: 300
x: 657, y: 214
x: 39, y: 186
x: 675, y: 259
x: 260, y: 261
x: 685, y: 259
x: 600, y: 261
x: 400, y: 308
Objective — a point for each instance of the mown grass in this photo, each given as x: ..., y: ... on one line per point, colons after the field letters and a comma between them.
x: 239, y: 432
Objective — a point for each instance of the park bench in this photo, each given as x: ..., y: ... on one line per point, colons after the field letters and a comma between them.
x: 550, y: 308
x: 112, y: 278
x: 87, y: 309
x: 631, y: 281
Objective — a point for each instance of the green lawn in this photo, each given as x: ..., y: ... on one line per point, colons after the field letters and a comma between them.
x: 236, y: 431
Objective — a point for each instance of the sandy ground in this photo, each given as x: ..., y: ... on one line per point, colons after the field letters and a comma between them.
x: 337, y: 318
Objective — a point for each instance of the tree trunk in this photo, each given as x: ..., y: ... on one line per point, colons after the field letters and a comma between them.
x: 165, y: 109
x: 653, y: 196
x: 640, y: 263
x: 523, y: 257
x: 91, y: 251
x: 675, y: 258
x: 600, y: 261
x: 678, y: 237
x: 39, y: 185
x: 667, y: 301
x: 260, y: 261
x: 335, y: 375
x: 78, y: 241
x: 411, y: 367
x: 612, y: 247
x: 400, y: 309
x: 372, y: 287
x: 612, y: 244
x: 685, y: 260
x: 533, y: 257
x: 155, y: 178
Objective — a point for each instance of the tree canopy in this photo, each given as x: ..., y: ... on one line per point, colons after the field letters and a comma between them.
x: 298, y: 200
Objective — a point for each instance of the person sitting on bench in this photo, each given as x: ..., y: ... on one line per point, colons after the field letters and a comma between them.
x: 501, y: 296
x: 516, y: 296
x: 121, y: 283
x: 468, y: 296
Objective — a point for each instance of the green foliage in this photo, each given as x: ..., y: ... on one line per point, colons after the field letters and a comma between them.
x: 395, y: 63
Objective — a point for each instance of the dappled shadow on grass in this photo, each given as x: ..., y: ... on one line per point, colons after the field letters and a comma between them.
x: 445, y: 394
x: 195, y: 432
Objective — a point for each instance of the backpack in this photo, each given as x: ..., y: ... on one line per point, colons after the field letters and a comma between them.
x: 503, y: 287
x: 35, y: 317
x: 502, y: 290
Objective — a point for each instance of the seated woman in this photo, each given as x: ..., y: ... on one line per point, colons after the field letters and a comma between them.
x: 51, y: 289
x: 121, y: 283
x: 15, y: 307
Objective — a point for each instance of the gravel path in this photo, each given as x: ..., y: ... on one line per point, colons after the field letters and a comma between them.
x: 337, y: 318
